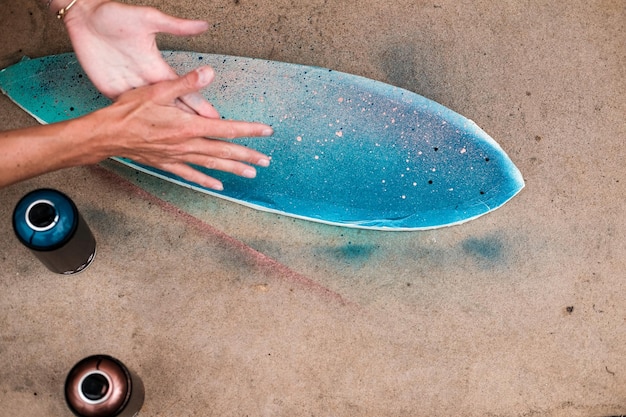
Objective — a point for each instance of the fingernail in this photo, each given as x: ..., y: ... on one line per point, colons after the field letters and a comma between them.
x: 249, y: 173
x: 263, y: 162
x: 267, y: 132
x: 218, y: 187
x: 204, y: 75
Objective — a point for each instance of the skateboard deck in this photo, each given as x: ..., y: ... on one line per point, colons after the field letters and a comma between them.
x: 347, y: 150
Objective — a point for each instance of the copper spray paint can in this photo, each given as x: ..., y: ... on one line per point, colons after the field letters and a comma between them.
x: 101, y: 386
x: 48, y: 223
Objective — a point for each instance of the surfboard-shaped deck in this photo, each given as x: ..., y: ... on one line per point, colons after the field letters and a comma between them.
x: 347, y: 150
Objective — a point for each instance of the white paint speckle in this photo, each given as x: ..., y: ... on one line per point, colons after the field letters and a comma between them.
x: 339, y: 133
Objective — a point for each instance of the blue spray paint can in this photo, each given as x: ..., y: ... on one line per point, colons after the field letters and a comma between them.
x: 48, y: 223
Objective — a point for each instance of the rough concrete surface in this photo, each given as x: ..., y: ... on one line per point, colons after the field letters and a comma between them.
x: 227, y: 311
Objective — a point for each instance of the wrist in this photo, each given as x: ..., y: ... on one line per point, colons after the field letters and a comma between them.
x: 89, y: 136
x: 71, y: 9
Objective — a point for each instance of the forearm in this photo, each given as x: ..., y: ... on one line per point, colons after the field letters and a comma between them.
x: 29, y: 152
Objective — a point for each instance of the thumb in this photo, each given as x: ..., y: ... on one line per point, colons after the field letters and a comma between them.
x: 177, y: 26
x: 189, y: 83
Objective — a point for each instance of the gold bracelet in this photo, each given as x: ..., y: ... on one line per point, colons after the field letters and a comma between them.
x: 61, y: 13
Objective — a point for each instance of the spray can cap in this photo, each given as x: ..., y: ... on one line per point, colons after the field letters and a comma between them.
x: 98, y: 386
x: 45, y: 219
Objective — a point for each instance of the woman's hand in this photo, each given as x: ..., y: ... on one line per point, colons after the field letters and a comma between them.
x: 116, y: 46
x: 146, y: 126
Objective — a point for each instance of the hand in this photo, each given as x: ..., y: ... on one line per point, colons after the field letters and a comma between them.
x: 116, y: 46
x: 146, y: 126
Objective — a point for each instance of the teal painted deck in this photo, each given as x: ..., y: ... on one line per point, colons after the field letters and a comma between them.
x: 347, y: 150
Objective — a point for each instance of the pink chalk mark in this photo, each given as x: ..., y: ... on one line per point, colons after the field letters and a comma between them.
x: 264, y: 262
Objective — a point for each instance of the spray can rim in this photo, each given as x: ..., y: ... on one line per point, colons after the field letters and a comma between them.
x: 43, y: 224
x: 48, y: 239
x: 117, y: 394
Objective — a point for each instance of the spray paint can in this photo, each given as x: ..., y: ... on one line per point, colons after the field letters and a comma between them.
x: 48, y: 223
x: 101, y: 386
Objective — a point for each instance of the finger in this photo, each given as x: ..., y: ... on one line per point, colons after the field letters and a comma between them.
x: 224, y: 165
x: 214, y: 155
x: 190, y: 174
x: 207, y: 152
x: 192, y: 102
x: 187, y: 109
x: 200, y: 105
x: 187, y: 84
x: 177, y: 26
x: 228, y: 129
x: 184, y: 107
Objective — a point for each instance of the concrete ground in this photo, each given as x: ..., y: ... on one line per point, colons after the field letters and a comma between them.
x: 227, y: 311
